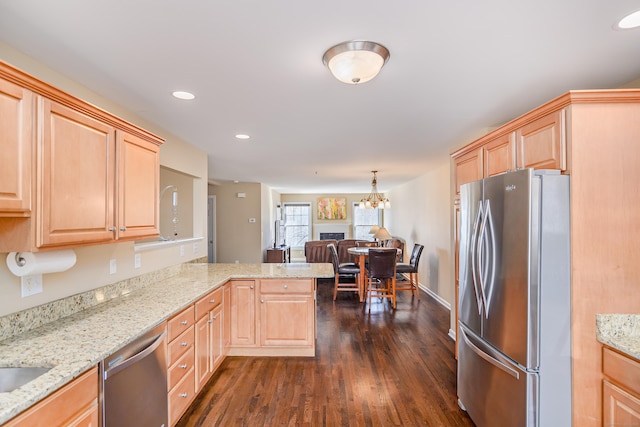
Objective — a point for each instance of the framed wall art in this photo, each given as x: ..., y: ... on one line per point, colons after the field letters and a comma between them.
x: 332, y: 208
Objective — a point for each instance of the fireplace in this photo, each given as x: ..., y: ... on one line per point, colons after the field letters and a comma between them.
x: 329, y: 236
x: 328, y: 230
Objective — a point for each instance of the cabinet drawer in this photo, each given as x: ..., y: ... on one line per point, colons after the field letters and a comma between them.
x: 180, y: 345
x: 179, y: 369
x: 208, y: 302
x: 286, y: 286
x: 181, y: 396
x: 621, y: 369
x: 180, y: 322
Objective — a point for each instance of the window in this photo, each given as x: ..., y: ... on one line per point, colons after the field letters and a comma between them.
x: 363, y: 220
x: 297, y: 224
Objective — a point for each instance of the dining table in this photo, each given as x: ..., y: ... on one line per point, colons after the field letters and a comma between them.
x: 362, y: 253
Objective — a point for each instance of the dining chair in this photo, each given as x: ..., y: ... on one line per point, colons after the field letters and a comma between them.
x: 343, y: 270
x: 381, y: 275
x: 411, y: 268
x: 343, y: 247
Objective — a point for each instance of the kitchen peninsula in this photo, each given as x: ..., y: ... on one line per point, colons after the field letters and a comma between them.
x: 73, y: 344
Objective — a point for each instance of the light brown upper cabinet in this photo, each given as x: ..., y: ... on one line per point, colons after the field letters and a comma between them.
x: 499, y: 155
x: 73, y: 174
x: 541, y: 144
x: 16, y: 143
x: 467, y: 168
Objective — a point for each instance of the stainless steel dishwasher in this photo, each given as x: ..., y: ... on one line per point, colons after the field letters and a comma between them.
x: 134, y: 383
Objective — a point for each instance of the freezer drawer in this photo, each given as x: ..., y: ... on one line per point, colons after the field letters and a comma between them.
x: 493, y: 390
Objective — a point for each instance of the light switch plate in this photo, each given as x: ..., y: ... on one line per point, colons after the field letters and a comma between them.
x: 113, y: 266
x: 181, y: 250
x: 137, y: 261
x: 195, y: 248
x: 31, y: 285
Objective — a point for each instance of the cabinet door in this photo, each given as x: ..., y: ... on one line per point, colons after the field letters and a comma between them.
x: 468, y: 168
x: 138, y: 187
x: 243, y: 313
x: 16, y: 145
x: 226, y: 319
x: 499, y: 155
x: 542, y: 143
x: 203, y: 351
x: 620, y: 408
x: 276, y: 326
x: 217, y: 337
x: 77, y: 178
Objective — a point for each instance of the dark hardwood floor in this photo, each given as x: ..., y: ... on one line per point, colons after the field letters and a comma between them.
x: 383, y: 368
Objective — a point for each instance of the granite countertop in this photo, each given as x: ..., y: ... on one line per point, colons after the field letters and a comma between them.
x: 75, y: 343
x: 620, y: 331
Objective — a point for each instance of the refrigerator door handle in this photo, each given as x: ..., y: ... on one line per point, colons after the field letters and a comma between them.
x: 490, y: 274
x: 475, y: 276
x: 495, y: 362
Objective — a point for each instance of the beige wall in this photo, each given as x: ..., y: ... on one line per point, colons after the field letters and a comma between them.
x: 421, y: 214
x: 237, y: 238
x: 92, y: 267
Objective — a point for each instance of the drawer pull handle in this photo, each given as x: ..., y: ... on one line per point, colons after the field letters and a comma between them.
x: 184, y: 343
x: 212, y: 301
x: 183, y: 366
x: 285, y: 286
x: 183, y: 395
x: 210, y: 321
x: 184, y: 322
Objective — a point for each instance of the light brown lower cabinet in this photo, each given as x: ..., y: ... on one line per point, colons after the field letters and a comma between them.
x: 282, y: 301
x: 209, y: 345
x: 180, y: 363
x: 75, y: 404
x: 620, y: 389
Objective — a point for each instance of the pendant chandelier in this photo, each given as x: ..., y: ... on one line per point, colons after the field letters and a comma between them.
x: 375, y: 199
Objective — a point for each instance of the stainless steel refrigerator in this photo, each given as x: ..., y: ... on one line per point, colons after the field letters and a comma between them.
x: 514, y: 355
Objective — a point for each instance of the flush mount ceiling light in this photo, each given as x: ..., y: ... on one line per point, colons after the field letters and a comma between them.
x: 375, y: 199
x: 183, y: 95
x: 632, y: 20
x: 242, y: 136
x: 356, y: 61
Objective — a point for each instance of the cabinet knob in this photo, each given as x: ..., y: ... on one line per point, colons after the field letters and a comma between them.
x: 123, y: 228
x: 184, y: 322
x: 261, y: 301
x: 183, y: 395
x: 285, y: 286
x: 212, y: 301
x: 184, y: 343
x: 251, y: 287
x: 112, y: 229
x: 183, y: 366
x: 210, y: 321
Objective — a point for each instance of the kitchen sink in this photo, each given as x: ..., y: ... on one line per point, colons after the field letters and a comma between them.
x: 13, y: 378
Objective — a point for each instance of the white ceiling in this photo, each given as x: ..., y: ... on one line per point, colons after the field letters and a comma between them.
x: 457, y: 69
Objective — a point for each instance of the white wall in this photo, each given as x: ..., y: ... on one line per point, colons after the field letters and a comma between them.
x: 92, y: 268
x: 421, y: 214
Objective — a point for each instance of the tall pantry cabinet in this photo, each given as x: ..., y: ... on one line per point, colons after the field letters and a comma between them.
x: 72, y: 174
x: 594, y: 136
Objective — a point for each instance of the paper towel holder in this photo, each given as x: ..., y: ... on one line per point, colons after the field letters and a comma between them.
x: 20, y: 259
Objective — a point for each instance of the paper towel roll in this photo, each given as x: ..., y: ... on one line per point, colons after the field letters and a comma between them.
x: 40, y: 262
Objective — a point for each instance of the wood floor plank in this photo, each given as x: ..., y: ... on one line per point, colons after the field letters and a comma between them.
x: 380, y: 368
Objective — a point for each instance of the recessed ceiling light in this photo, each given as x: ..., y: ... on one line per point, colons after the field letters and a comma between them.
x: 242, y: 136
x: 183, y: 95
x: 632, y: 20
